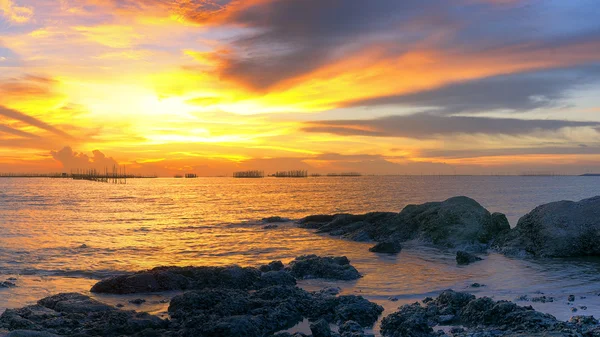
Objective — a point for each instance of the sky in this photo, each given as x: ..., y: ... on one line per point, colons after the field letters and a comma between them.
x: 380, y: 87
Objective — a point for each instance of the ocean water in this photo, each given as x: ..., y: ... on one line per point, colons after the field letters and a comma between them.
x: 60, y: 235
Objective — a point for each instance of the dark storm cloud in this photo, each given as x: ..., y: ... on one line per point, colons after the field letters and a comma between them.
x: 296, y: 36
x: 520, y: 92
x: 424, y: 125
x: 291, y: 38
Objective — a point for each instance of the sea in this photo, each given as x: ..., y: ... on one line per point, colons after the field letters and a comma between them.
x: 62, y: 235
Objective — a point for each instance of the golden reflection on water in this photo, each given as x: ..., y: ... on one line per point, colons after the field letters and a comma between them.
x: 61, y: 235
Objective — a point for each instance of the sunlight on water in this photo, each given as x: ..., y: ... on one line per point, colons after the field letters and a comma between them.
x: 61, y: 235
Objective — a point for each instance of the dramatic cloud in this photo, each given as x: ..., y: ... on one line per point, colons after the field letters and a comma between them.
x: 424, y: 125
x: 71, y: 160
x: 512, y: 93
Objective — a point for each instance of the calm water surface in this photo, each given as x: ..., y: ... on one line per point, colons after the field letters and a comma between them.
x: 61, y: 235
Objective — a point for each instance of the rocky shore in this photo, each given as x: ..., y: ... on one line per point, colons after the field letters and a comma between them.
x: 558, y: 229
x: 266, y: 300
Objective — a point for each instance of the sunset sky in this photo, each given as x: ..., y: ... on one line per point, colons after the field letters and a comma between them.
x: 376, y: 86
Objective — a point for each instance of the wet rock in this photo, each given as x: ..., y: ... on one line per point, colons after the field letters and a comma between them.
x: 320, y: 328
x: 464, y: 258
x: 138, y: 301
x: 483, y: 317
x: 571, y: 298
x: 180, y: 278
x: 313, y: 266
x: 275, y: 219
x: 77, y: 314
x: 29, y: 333
x: 456, y: 222
x: 477, y: 285
x: 410, y: 321
x: 7, y: 284
x: 272, y: 278
x: 387, y: 247
x: 272, y: 266
x: 265, y: 311
x: 11, y: 279
x: 558, y: 229
x: 270, y: 227
x: 351, y: 329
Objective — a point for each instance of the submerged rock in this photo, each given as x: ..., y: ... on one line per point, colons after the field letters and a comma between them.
x: 558, y: 229
x: 456, y: 222
x: 387, y: 247
x: 77, y: 314
x: 313, y: 266
x: 470, y: 316
x: 7, y: 284
x: 270, y: 227
x: 464, y: 258
x: 275, y: 219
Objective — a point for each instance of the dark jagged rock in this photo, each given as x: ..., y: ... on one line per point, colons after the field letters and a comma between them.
x: 236, y: 312
x: 558, y: 229
x: 77, y: 314
x: 270, y: 227
x: 464, y: 258
x: 272, y: 266
x: 387, y: 247
x: 228, y: 301
x: 456, y: 222
x: 351, y: 329
x: 275, y: 219
x: 321, y: 328
x: 7, y: 284
x: 180, y: 278
x: 313, y: 266
x: 470, y: 316
x: 233, y: 277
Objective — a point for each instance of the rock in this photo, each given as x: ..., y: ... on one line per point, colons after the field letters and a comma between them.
x: 456, y: 222
x: 321, y: 329
x: 470, y: 316
x: 558, y: 229
x: 272, y: 278
x: 410, y: 321
x: 270, y: 227
x: 313, y: 266
x: 138, y: 301
x: 477, y: 285
x: 275, y: 219
x: 272, y: 266
x: 351, y: 329
x: 264, y: 312
x: 7, y: 284
x: 571, y: 298
x: 180, y: 278
x: 29, y: 333
x: 77, y: 314
x: 465, y: 258
x: 387, y: 247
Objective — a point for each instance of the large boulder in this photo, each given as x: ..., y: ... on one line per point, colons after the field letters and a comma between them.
x: 557, y: 229
x: 458, y: 222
